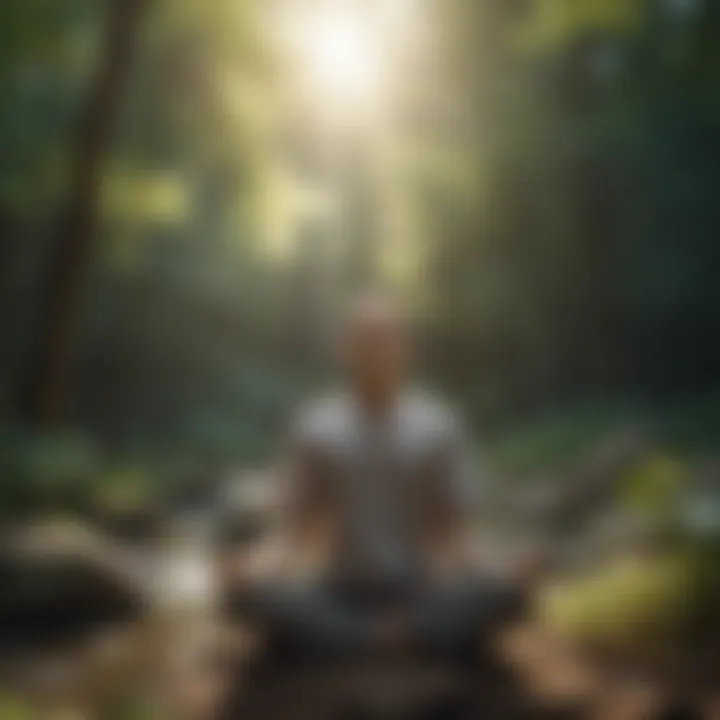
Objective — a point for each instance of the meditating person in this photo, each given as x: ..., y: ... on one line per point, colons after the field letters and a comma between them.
x: 378, y: 492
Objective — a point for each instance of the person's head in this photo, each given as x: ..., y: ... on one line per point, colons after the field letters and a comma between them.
x: 375, y: 346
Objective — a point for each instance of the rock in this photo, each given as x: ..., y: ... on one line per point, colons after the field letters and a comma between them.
x: 245, y: 507
x: 142, y: 522
x: 62, y: 583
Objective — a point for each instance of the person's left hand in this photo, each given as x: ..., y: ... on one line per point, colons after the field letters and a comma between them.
x: 392, y: 632
x: 533, y: 568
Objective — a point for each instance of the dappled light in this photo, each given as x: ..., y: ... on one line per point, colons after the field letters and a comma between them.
x: 359, y: 356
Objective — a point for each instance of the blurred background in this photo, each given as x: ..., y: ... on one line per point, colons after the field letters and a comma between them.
x: 191, y: 190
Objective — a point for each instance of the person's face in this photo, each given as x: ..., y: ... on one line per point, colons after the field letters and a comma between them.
x: 376, y: 350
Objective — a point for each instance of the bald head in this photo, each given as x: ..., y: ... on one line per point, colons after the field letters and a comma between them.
x: 376, y: 311
x: 375, y: 346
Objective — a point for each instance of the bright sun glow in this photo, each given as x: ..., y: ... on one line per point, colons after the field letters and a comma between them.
x: 340, y: 52
x: 343, y: 56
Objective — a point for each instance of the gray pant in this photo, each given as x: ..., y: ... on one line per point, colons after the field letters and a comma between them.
x: 325, y: 616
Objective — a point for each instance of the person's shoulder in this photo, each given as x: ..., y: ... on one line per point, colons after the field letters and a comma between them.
x: 319, y: 418
x: 431, y: 416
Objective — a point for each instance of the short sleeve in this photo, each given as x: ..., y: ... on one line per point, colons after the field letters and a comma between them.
x: 459, y: 480
x: 305, y: 489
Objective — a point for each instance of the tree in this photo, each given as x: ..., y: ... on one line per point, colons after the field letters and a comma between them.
x: 71, y: 249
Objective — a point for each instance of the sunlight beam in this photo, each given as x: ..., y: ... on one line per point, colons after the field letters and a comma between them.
x: 342, y: 53
x: 343, y: 56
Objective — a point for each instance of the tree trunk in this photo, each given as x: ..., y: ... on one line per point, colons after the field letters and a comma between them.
x: 72, y: 245
x: 8, y: 253
x: 598, y: 325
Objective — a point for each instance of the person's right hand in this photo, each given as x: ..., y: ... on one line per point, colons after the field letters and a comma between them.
x: 392, y: 632
x: 231, y: 570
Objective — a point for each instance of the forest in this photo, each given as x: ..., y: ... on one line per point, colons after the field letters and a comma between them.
x: 191, y: 192
x: 183, y: 209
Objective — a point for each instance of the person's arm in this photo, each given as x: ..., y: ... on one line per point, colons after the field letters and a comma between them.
x: 460, y: 485
x: 303, y: 527
x: 297, y: 530
x: 453, y: 500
